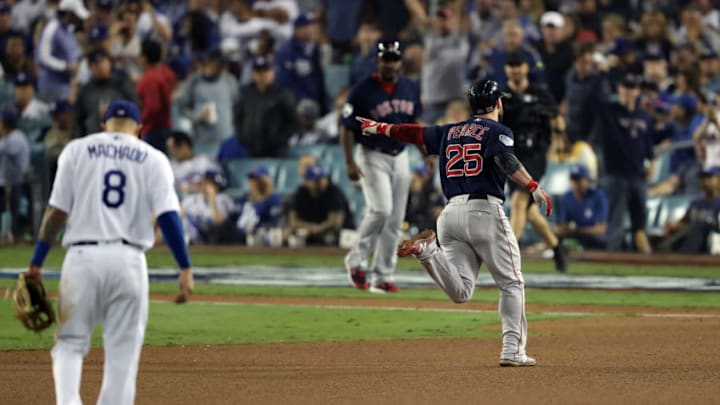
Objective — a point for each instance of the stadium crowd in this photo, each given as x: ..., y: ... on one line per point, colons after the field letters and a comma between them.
x: 633, y: 132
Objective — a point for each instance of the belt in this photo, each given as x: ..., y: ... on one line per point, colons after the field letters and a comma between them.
x: 391, y: 152
x: 103, y: 242
x: 481, y: 196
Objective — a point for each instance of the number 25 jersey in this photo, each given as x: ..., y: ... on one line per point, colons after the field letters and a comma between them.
x: 466, y: 151
x: 112, y: 185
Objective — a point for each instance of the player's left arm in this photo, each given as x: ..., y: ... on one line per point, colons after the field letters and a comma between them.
x: 511, y: 166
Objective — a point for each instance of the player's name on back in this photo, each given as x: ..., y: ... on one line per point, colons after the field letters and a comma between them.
x: 472, y: 130
x: 110, y: 151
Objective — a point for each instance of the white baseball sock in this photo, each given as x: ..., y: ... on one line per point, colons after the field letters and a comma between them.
x: 67, y: 371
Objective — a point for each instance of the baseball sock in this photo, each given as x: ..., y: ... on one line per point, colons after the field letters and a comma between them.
x: 67, y: 370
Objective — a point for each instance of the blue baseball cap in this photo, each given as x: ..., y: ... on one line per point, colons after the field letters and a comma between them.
x: 60, y: 106
x: 579, y: 172
x: 709, y: 171
x: 259, y: 171
x: 98, y: 33
x: 315, y: 173
x: 623, y: 46
x: 216, y: 177
x: 687, y: 102
x: 305, y: 19
x: 23, y: 79
x: 122, y: 109
x: 9, y: 117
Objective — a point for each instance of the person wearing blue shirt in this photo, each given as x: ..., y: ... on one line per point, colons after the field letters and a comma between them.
x: 261, y: 207
x: 583, y: 211
x: 298, y: 63
x: 513, y: 37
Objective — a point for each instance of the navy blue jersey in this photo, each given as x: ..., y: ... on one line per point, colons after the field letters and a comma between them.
x: 592, y: 210
x: 372, y: 99
x: 466, y: 151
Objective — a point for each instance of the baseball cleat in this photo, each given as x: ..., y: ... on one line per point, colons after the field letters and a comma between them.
x: 527, y: 361
x: 357, y: 276
x: 560, y: 259
x: 386, y: 287
x: 417, y: 244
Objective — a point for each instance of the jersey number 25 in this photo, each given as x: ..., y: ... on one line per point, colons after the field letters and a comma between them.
x: 463, y: 160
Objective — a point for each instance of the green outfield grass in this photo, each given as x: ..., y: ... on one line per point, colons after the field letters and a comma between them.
x: 203, y: 323
x: 19, y: 256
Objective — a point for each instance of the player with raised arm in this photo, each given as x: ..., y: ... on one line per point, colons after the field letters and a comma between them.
x: 109, y: 187
x: 475, y: 157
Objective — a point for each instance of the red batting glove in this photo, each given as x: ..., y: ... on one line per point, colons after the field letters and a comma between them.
x: 370, y: 127
x: 540, y: 196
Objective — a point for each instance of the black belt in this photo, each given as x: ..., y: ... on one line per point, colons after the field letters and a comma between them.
x: 482, y: 196
x: 97, y: 243
x: 391, y: 152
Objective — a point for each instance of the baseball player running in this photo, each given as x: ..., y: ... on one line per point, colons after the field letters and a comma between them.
x: 109, y: 187
x: 382, y: 167
x: 475, y: 157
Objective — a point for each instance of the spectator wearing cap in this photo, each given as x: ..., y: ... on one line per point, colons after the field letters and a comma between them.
x: 446, y: 51
x: 425, y: 202
x: 298, y: 62
x: 655, y: 71
x: 626, y: 145
x: 581, y: 84
x: 307, y: 132
x: 556, y: 52
x: 583, y: 211
x: 102, y: 14
x: 563, y: 150
x: 58, y: 52
x: 691, y: 233
x: 364, y: 59
x: 206, y: 213
x: 210, y: 98
x: 98, y: 37
x: 33, y: 113
x: 341, y: 20
x: 187, y: 166
x: 623, y: 60
x: 654, y: 35
x: 261, y: 208
x: 492, y: 65
x: 709, y: 72
x: 14, y: 167
x: 93, y: 97
x: 154, y: 92
x: 60, y: 132
x: 319, y: 209
x: 266, y: 113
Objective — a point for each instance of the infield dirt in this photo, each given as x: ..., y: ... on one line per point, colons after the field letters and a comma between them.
x: 669, y: 357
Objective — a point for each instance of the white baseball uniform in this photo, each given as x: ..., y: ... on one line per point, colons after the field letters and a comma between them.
x: 112, y: 185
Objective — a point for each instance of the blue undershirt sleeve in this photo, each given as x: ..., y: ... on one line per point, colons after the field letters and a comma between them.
x: 172, y: 230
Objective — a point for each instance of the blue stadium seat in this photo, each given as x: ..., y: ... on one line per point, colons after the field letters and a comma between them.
x: 288, y: 178
x: 237, y: 171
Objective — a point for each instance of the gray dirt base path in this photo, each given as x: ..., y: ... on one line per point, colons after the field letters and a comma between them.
x: 335, y: 277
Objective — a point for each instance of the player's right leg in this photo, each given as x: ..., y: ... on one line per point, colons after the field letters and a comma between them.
x: 78, y: 315
x: 125, y: 309
x: 519, y: 201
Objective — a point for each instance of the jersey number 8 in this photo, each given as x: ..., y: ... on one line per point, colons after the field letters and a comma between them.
x: 468, y: 156
x: 114, y: 192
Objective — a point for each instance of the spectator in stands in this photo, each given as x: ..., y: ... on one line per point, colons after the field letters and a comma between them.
x: 188, y: 167
x: 425, y: 202
x: 25, y: 12
x: 627, y: 143
x: 33, y: 113
x: 613, y: 27
x: 397, y: 19
x: 155, y: 95
x: 206, y: 213
x: 282, y: 12
x: 16, y: 58
x: 456, y: 111
x: 707, y: 139
x: 97, y: 38
x: 58, y: 52
x: 298, y: 62
x: 513, y: 38
x: 692, y: 31
x: 240, y: 23
x: 319, y: 209
x: 6, y: 30
x: 197, y: 31
x: 690, y: 234
x: 266, y: 116
x: 363, y: 60
x: 151, y: 24
x: 684, y: 122
x: 654, y: 35
x: 125, y: 44
x: 341, y: 20
x: 329, y: 122
x: 709, y: 72
x: 94, y: 97
x: 308, y: 132
x: 556, y: 53
x: 623, y: 59
x: 103, y: 13
x: 485, y: 26
x: 261, y: 208
x: 589, y: 19
x: 446, y: 51
x: 655, y: 71
x: 562, y: 150
x: 58, y: 134
x: 581, y: 85
x: 583, y: 211
x: 14, y: 166
x: 210, y: 99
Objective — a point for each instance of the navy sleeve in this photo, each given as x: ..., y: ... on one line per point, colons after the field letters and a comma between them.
x: 172, y: 230
x: 501, y: 141
x: 432, y: 138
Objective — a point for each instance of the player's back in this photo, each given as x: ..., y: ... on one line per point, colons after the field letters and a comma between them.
x: 112, y: 185
x: 466, y: 151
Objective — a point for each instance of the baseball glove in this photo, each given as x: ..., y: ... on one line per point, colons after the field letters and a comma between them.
x: 31, y: 304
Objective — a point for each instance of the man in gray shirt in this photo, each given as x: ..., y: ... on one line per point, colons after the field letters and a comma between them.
x: 14, y: 165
